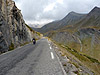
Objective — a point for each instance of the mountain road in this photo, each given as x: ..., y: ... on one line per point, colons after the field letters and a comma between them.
x: 38, y: 59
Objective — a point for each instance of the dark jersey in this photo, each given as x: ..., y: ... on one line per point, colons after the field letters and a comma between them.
x: 33, y: 39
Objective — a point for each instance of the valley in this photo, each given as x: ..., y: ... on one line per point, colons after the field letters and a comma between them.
x: 67, y: 46
x: 82, y: 36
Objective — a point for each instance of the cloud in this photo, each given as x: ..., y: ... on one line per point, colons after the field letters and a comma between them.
x: 60, y: 1
x: 49, y: 10
x: 49, y: 7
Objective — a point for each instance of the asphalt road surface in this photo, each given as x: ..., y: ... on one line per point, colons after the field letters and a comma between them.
x: 39, y: 59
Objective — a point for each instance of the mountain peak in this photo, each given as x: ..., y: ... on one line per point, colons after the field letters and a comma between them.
x: 96, y: 8
x: 95, y: 11
x: 75, y: 14
x: 72, y: 12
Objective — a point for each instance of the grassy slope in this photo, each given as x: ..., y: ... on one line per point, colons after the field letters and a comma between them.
x: 90, y: 54
x: 87, y: 46
x: 84, y: 60
x: 39, y: 35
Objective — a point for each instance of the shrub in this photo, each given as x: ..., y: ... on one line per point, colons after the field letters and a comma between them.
x: 92, y: 59
x: 11, y: 47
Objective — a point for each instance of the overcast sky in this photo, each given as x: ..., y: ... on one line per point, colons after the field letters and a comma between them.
x: 44, y: 11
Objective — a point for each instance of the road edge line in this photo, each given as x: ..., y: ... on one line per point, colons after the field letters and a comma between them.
x: 60, y: 64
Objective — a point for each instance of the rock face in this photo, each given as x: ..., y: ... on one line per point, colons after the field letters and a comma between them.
x: 13, y: 30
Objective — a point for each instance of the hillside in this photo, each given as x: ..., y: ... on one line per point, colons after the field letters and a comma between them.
x: 70, y: 19
x: 82, y: 39
x: 13, y: 30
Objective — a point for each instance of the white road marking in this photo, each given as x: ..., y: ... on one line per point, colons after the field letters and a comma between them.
x: 52, y: 55
x: 50, y: 47
x: 49, y: 44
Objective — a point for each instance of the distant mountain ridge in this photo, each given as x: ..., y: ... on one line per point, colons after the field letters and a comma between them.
x: 70, y: 19
x: 92, y: 19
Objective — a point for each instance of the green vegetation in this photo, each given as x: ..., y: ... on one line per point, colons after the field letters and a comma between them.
x: 0, y: 47
x: 30, y: 28
x: 76, y: 54
x: 90, y: 62
x: 80, y: 56
x: 24, y: 43
x: 50, y: 33
x: 76, y: 72
x: 11, y: 47
x: 92, y: 59
x: 75, y: 65
x: 38, y: 33
x: 64, y: 65
x: 90, y: 49
x: 0, y: 51
x: 79, y: 59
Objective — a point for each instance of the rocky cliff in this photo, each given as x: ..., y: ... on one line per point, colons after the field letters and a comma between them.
x: 13, y: 30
